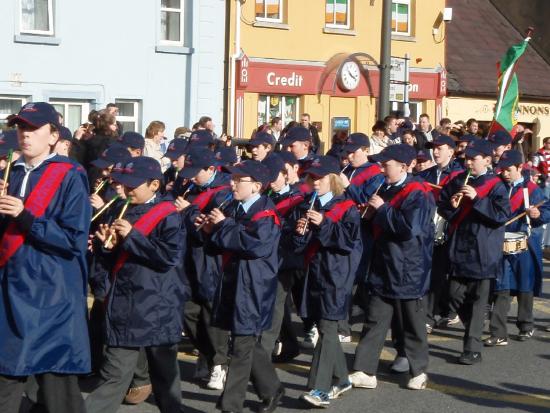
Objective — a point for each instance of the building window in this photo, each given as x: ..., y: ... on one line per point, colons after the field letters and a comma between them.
x: 10, y: 105
x: 129, y: 114
x: 270, y: 106
x: 415, y: 109
x: 401, y: 17
x: 75, y: 112
x: 337, y: 14
x: 269, y: 10
x: 36, y: 17
x: 171, y: 22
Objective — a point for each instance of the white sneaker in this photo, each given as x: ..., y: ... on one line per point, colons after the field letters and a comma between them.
x: 419, y: 382
x: 201, y: 369
x: 277, y: 349
x: 344, y: 339
x: 311, y: 337
x: 217, y: 378
x: 400, y: 365
x: 360, y: 379
x: 453, y: 321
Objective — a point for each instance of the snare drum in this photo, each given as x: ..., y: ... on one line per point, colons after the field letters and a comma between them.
x: 514, y: 242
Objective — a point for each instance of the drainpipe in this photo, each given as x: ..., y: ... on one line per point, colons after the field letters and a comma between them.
x: 233, y: 58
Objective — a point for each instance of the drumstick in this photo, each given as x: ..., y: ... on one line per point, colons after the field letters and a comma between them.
x: 375, y: 193
x: 101, y: 185
x: 104, y: 208
x: 523, y: 213
x: 227, y: 199
x: 124, y: 208
x: 311, y: 205
x: 7, y: 172
x: 461, y: 195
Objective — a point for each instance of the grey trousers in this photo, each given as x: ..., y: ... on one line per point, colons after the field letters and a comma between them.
x: 501, y: 307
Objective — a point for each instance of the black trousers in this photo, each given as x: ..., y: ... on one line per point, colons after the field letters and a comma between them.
x: 58, y: 392
x: 117, y: 372
x: 249, y: 362
x: 380, y: 311
x: 329, y: 360
x: 470, y: 297
x: 437, y: 299
x: 501, y: 307
x: 212, y: 342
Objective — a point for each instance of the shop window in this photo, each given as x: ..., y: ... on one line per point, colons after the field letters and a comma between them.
x: 337, y: 14
x: 171, y: 22
x: 269, y: 10
x: 36, y: 17
x: 129, y: 114
x: 10, y: 105
x: 401, y: 17
x: 74, y: 112
x: 270, y: 106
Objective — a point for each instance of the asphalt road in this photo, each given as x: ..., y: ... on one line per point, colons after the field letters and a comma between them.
x: 515, y: 378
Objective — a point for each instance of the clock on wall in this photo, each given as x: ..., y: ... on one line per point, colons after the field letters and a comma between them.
x: 350, y: 75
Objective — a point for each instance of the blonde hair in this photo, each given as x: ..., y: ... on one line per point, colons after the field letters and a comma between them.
x: 154, y: 127
x: 335, y: 182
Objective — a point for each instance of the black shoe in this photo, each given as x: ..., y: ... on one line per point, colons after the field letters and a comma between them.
x: 525, y: 335
x: 470, y: 357
x: 286, y: 355
x: 269, y: 405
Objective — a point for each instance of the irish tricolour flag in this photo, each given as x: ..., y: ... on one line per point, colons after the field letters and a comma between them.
x: 336, y: 12
x: 508, y: 90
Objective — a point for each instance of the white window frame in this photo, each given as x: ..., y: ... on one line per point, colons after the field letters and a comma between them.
x: 283, y: 104
x: 336, y: 25
x: 38, y: 32
x: 24, y: 100
x: 181, y: 12
x: 269, y: 19
x: 84, y: 111
x: 409, y: 23
x: 136, y: 119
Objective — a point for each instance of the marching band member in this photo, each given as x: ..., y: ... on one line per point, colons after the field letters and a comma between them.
x: 476, y: 205
x: 402, y: 218
x: 522, y: 270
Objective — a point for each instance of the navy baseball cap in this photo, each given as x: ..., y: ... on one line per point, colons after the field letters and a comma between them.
x: 288, y: 157
x: 132, y: 140
x: 401, y: 153
x: 324, y: 165
x: 201, y: 137
x: 196, y: 160
x: 65, y: 134
x: 297, y: 133
x: 275, y: 164
x: 500, y: 137
x: 8, y: 141
x: 441, y: 140
x: 176, y: 148
x: 36, y: 114
x: 226, y: 155
x: 509, y: 158
x: 254, y: 169
x: 114, y: 154
x: 356, y: 141
x: 468, y: 138
x: 262, y: 138
x: 479, y: 147
x: 138, y: 171
x: 423, y: 156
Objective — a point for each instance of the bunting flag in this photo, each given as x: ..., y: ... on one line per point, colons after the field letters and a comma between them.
x: 508, y: 90
x: 336, y: 12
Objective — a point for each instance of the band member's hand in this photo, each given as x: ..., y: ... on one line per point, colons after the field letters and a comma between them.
x: 181, y: 203
x: 375, y: 201
x: 216, y: 216
x: 200, y: 220
x: 122, y: 227
x: 469, y: 191
x: 96, y: 201
x: 316, y: 218
x: 455, y: 200
x: 533, y: 212
x: 344, y: 179
x: 10, y: 205
x: 169, y: 186
x: 91, y: 243
x: 300, y: 226
x: 103, y: 233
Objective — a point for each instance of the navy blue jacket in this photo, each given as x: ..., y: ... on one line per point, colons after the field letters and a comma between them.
x: 402, y: 253
x: 43, y: 285
x: 475, y: 244
x: 331, y: 272
x: 246, y: 294
x: 430, y: 174
x: 146, y: 299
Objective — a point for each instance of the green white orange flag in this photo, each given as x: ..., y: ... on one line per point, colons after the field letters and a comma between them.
x: 508, y: 89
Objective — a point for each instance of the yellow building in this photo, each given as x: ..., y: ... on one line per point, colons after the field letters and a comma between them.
x: 320, y: 57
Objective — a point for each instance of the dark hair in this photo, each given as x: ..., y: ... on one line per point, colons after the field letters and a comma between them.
x: 204, y: 120
x: 196, y: 126
x: 103, y: 122
x: 111, y: 105
x: 424, y: 115
x: 546, y: 140
x: 290, y: 125
x: 275, y: 120
x: 470, y: 121
x: 444, y: 121
x: 379, y: 125
x: 407, y: 132
x: 389, y: 118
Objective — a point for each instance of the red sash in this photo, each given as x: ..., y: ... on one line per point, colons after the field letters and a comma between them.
x: 443, y: 182
x: 202, y: 200
x: 398, y: 199
x: 226, y: 256
x: 144, y: 225
x: 467, y: 205
x: 37, y: 203
x: 517, y: 199
x: 284, y: 207
x: 365, y: 174
x: 335, y: 214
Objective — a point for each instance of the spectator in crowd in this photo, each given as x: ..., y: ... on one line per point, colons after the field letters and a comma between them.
x: 379, y: 140
x: 409, y: 138
x: 472, y: 126
x: 276, y: 127
x: 112, y: 108
x: 306, y: 123
x: 425, y: 133
x: 392, y: 126
x: 153, y: 138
